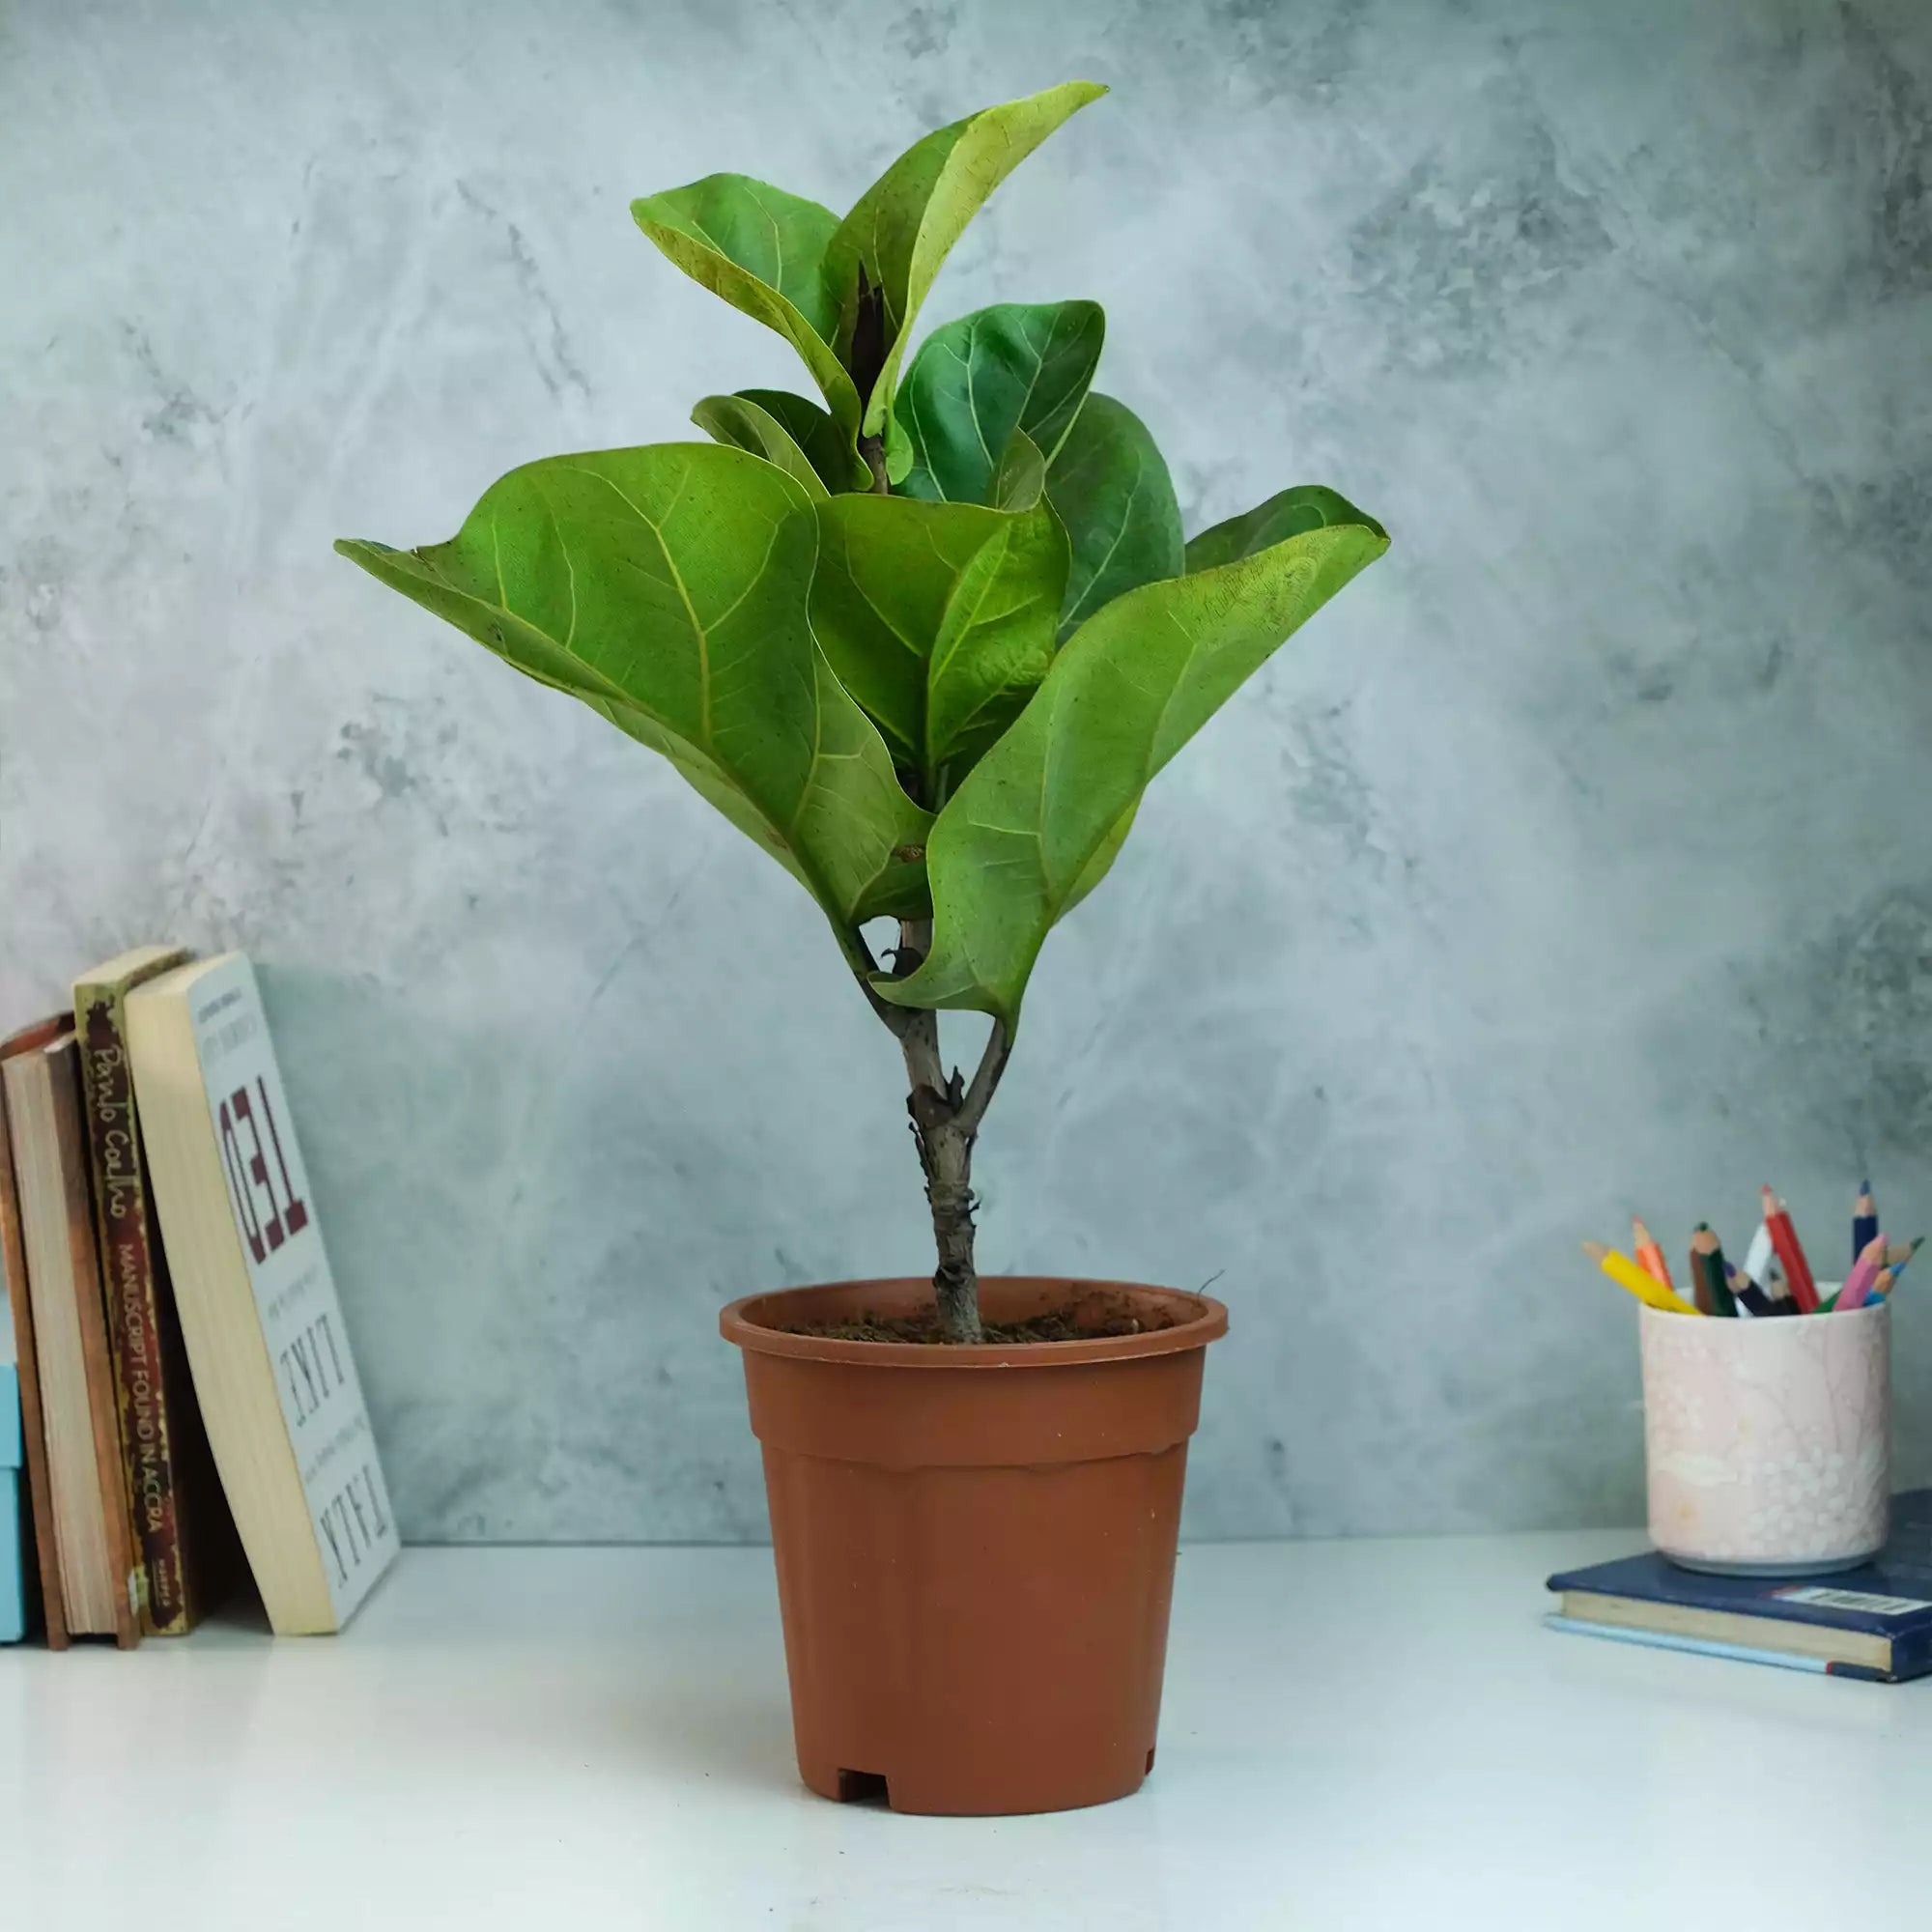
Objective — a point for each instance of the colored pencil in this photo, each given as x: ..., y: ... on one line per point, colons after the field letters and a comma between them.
x: 1859, y: 1283
x: 1649, y: 1254
x: 1748, y: 1292
x: 1784, y: 1239
x: 1864, y: 1220
x: 1626, y: 1273
x: 1898, y: 1255
x: 1707, y: 1273
x: 1761, y: 1268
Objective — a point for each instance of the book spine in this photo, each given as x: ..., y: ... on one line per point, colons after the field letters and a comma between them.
x: 130, y: 1262
x: 90, y: 1297
x: 40, y: 1523
x: 1912, y: 1656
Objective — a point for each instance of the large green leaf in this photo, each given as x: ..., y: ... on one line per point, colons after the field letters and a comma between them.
x: 1020, y: 837
x: 763, y: 250
x: 1016, y: 365
x: 743, y: 424
x: 667, y: 589
x: 902, y: 227
x: 1309, y: 506
x: 1111, y: 489
x: 939, y: 619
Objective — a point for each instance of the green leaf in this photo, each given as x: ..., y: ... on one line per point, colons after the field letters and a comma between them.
x: 939, y: 619
x: 1101, y: 863
x: 903, y: 226
x: 829, y: 453
x: 1111, y: 489
x: 1289, y: 513
x: 740, y: 423
x: 899, y: 453
x: 763, y: 250
x: 1021, y: 480
x: 1020, y: 838
x: 667, y: 589
x: 1016, y: 365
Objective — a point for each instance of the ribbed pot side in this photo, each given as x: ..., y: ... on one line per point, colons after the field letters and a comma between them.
x: 975, y: 1545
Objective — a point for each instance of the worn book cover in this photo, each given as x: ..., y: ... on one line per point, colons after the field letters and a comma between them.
x: 259, y: 1308
x: 183, y: 1542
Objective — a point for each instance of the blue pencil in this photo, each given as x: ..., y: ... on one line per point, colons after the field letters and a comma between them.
x: 1864, y: 1221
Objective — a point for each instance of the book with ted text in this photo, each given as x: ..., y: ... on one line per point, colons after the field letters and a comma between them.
x: 258, y: 1306
x: 182, y: 1539
x: 1872, y: 1622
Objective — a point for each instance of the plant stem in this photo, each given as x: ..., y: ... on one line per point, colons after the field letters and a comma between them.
x: 946, y: 1113
x: 946, y: 1154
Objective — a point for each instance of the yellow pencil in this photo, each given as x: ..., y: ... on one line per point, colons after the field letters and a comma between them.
x: 1626, y: 1273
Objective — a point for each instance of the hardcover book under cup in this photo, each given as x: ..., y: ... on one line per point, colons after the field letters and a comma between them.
x: 1767, y: 1443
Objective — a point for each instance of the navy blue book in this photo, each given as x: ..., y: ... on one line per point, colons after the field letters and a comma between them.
x: 1873, y: 1622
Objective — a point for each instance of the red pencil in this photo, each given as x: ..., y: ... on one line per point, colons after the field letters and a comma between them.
x: 1784, y: 1239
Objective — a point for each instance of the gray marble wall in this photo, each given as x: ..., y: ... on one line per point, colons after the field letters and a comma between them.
x: 1576, y: 858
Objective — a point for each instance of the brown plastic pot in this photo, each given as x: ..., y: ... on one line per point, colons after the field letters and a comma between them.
x: 975, y: 1545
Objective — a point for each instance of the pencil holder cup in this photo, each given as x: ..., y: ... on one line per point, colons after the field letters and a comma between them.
x: 1767, y: 1443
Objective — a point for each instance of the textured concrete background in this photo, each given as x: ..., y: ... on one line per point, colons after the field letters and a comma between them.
x: 1576, y: 858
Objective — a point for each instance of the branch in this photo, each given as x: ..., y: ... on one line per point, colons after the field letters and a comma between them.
x: 933, y: 1102
x: 985, y: 1078
x: 917, y: 1031
x: 920, y: 1038
x: 898, y: 1019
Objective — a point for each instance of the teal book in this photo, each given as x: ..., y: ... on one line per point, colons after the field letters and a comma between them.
x: 12, y: 1549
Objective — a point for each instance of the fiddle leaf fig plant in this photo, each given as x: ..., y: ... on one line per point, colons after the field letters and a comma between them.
x: 926, y: 640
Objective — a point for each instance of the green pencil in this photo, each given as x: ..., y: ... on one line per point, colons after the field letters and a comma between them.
x: 1707, y: 1271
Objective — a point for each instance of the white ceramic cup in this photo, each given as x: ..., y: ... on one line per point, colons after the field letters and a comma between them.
x: 1767, y: 1443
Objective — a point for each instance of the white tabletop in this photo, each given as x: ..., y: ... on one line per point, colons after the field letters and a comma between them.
x: 1355, y: 1734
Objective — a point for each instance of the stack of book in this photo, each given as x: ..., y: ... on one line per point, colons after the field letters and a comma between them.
x: 1874, y: 1621
x: 186, y: 1393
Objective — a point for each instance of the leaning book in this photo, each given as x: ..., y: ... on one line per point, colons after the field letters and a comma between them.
x: 266, y: 1342
x: 182, y: 1535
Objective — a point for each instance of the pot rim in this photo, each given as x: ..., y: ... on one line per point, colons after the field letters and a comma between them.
x: 745, y: 1323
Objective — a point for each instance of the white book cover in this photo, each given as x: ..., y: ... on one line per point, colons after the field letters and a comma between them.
x: 294, y: 1294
